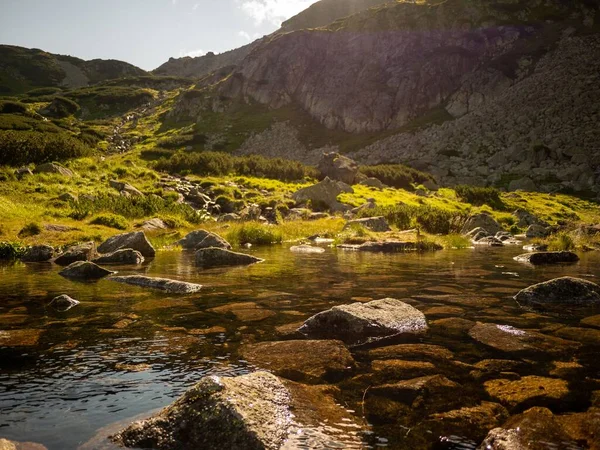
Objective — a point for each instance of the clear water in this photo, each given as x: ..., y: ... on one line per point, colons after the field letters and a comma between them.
x: 77, y: 379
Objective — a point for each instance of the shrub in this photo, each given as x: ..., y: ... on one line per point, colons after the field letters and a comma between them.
x: 62, y: 107
x: 480, y: 196
x: 255, y: 234
x: 25, y: 147
x: 429, y: 219
x: 31, y: 229
x: 11, y: 250
x: 180, y: 140
x: 10, y: 107
x: 561, y: 242
x: 43, y: 91
x: 111, y: 221
x: 396, y: 175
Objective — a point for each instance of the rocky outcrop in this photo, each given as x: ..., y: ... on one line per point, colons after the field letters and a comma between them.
x: 63, y: 303
x: 54, y: 168
x: 218, y: 257
x: 536, y: 231
x: 483, y: 221
x: 364, y: 322
x: 560, y: 291
x: 249, y: 411
x: 81, y: 252
x: 85, y: 270
x: 38, y: 253
x: 136, y: 241
x: 377, y: 224
x: 339, y: 168
x: 324, y: 193
x: 125, y: 189
x: 541, y: 258
x: 163, y: 284
x: 203, y: 239
x: 123, y: 256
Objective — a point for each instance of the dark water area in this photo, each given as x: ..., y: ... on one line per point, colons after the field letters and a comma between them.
x: 127, y: 350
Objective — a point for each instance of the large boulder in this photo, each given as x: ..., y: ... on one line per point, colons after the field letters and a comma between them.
x: 525, y: 218
x: 540, y: 258
x: 363, y: 322
x: 53, y: 168
x: 203, y: 239
x: 163, y: 284
x: 81, y: 252
x: 125, y: 189
x: 85, y: 270
x: 481, y: 220
x: 135, y: 240
x: 246, y: 412
x: 216, y: 257
x: 536, y: 231
x: 38, y: 253
x: 123, y: 256
x: 560, y: 291
x: 377, y: 224
x: 339, y: 168
x: 63, y: 303
x: 307, y: 361
x: 324, y: 193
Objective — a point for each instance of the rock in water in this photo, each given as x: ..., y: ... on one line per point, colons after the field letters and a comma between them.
x: 82, y: 252
x: 528, y: 390
x: 377, y: 224
x: 203, y: 239
x: 136, y: 240
x: 123, y: 256
x: 560, y: 291
x: 245, y: 412
x: 216, y: 257
x: 357, y: 323
x: 539, y: 258
x: 164, y: 284
x: 38, y: 253
x: 63, y: 303
x: 306, y: 249
x: 85, y: 270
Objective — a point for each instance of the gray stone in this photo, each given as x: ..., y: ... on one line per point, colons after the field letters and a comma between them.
x: 67, y: 197
x: 135, y: 240
x: 306, y: 249
x: 323, y: 193
x: 364, y: 322
x: 488, y: 240
x: 560, y: 291
x: 23, y: 171
x: 377, y: 224
x: 522, y: 184
x: 203, y: 239
x: 81, y: 252
x: 38, y: 253
x: 163, y: 284
x: 53, y: 168
x: 525, y: 219
x: 85, y: 270
x: 389, y: 247
x: 536, y: 231
x: 215, y: 257
x: 373, y: 182
x: 541, y: 258
x: 339, y: 168
x: 482, y: 220
x: 123, y: 256
x: 154, y: 224
x: 246, y: 412
x: 63, y: 303
x: 125, y: 189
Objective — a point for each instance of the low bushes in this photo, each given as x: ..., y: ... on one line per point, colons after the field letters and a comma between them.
x: 427, y: 218
x: 396, y: 175
x: 480, y: 196
x: 25, y: 147
x: 11, y: 250
x: 62, y: 107
x: 10, y: 107
x: 111, y: 221
x: 255, y: 234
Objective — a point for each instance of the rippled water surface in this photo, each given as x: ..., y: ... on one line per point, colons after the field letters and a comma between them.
x: 126, y: 350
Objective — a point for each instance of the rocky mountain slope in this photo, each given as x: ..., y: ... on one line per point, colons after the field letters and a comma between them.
x: 22, y: 69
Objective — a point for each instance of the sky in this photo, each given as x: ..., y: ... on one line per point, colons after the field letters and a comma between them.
x: 145, y: 33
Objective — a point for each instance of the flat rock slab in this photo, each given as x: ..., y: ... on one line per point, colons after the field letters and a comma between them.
x: 358, y: 323
x: 310, y: 361
x: 407, y: 391
x: 136, y: 241
x: 541, y: 258
x: 398, y: 369
x: 560, y: 291
x: 245, y: 311
x: 19, y: 338
x: 306, y: 249
x: 219, y: 257
x: 592, y: 321
x: 514, y: 340
x: 528, y: 390
x: 164, y: 284
x: 389, y: 247
x: 203, y: 239
x: 63, y: 303
x: 85, y: 270
x: 412, y: 351
x: 123, y: 256
x: 250, y: 412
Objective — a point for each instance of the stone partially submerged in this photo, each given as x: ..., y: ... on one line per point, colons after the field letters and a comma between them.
x: 246, y: 412
x: 136, y: 241
x: 218, y: 257
x: 540, y: 258
x: 85, y: 270
x: 63, y: 303
x: 203, y: 239
x: 163, y: 284
x: 358, y: 323
x: 123, y: 256
x: 38, y: 253
x: 560, y: 291
x: 81, y: 252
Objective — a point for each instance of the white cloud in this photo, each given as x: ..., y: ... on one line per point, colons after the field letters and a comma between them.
x: 196, y: 6
x: 245, y: 35
x: 193, y: 53
x: 273, y: 11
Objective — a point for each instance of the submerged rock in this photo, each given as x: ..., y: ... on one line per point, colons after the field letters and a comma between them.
x: 246, y: 412
x: 123, y: 256
x: 560, y: 291
x: 310, y: 361
x: 81, y: 252
x: 19, y: 338
x: 135, y: 240
x: 203, y: 239
x: 85, y: 270
x: 528, y: 390
x: 216, y: 257
x: 539, y: 258
x: 164, y: 284
x: 5, y: 444
x: 38, y: 253
x: 377, y: 224
x: 363, y: 322
x: 390, y: 246
x: 63, y: 303
x: 306, y: 249
x: 433, y: 387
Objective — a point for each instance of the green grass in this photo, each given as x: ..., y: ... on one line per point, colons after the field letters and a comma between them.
x: 255, y: 234
x: 111, y: 221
